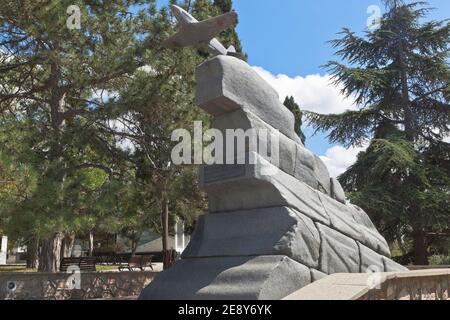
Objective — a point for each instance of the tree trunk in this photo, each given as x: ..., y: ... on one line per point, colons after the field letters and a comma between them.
x: 165, y: 233
x: 409, y: 120
x: 91, y: 244
x: 420, y: 248
x: 419, y: 236
x: 50, y: 254
x: 134, y: 246
x: 135, y: 242
x: 33, y: 253
x: 67, y: 245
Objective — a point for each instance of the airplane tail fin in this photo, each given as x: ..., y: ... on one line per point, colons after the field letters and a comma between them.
x: 231, y: 49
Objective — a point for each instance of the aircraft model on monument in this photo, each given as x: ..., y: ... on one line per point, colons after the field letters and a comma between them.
x: 201, y: 34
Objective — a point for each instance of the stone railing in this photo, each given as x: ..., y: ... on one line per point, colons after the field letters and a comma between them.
x: 414, y: 285
x: 78, y: 286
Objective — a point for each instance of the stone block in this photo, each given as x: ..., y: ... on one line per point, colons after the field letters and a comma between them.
x: 294, y: 158
x: 311, y: 170
x: 288, y: 154
x: 370, y: 260
x: 337, y: 193
x: 362, y: 218
x: 302, y: 242
x: 339, y: 253
x: 316, y: 275
x: 392, y: 266
x: 226, y: 84
x: 351, y: 222
x: 271, y: 231
x: 229, y: 278
x: 275, y: 189
x: 323, y: 176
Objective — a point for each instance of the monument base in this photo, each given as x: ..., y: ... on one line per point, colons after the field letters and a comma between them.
x: 229, y: 278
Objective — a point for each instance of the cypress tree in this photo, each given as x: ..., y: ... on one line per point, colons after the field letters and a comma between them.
x: 399, y: 75
x: 290, y: 103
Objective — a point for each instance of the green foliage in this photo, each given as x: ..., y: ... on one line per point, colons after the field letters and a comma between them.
x: 86, y: 117
x: 400, y: 188
x: 349, y: 128
x: 16, y: 268
x: 375, y: 76
x: 51, y: 79
x: 290, y: 103
x: 399, y: 75
x: 439, y: 260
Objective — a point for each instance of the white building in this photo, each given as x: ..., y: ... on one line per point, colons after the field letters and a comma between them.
x: 3, y: 249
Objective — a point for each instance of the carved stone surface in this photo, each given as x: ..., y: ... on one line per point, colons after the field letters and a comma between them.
x: 271, y: 231
x: 347, y: 220
x: 229, y: 278
x: 217, y: 173
x: 317, y: 275
x: 337, y: 192
x: 294, y: 158
x: 274, y: 226
x: 339, y: 253
x: 370, y: 260
x: 392, y: 266
x: 281, y: 189
x: 227, y: 84
x: 276, y: 189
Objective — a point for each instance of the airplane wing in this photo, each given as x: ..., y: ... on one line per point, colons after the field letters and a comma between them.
x: 213, y: 26
x: 173, y: 42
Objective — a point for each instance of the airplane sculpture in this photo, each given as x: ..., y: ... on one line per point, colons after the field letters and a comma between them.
x: 201, y: 34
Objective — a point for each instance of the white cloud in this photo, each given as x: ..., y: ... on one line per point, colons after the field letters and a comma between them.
x: 338, y: 159
x: 313, y: 92
x: 147, y: 69
x: 104, y: 96
x: 121, y: 126
x: 317, y: 93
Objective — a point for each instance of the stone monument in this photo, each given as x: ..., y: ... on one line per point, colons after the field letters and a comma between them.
x: 266, y: 235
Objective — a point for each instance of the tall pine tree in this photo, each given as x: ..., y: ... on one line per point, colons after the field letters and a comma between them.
x: 53, y: 73
x: 155, y: 102
x: 400, y: 75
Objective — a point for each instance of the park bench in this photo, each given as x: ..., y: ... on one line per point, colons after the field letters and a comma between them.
x: 138, y: 262
x: 111, y: 258
x: 84, y: 264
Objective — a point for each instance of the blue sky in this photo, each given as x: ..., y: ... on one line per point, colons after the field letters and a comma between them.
x: 290, y: 36
x: 287, y: 41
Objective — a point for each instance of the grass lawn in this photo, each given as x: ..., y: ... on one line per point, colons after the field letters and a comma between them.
x: 16, y: 268
x: 23, y: 268
x: 103, y: 268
